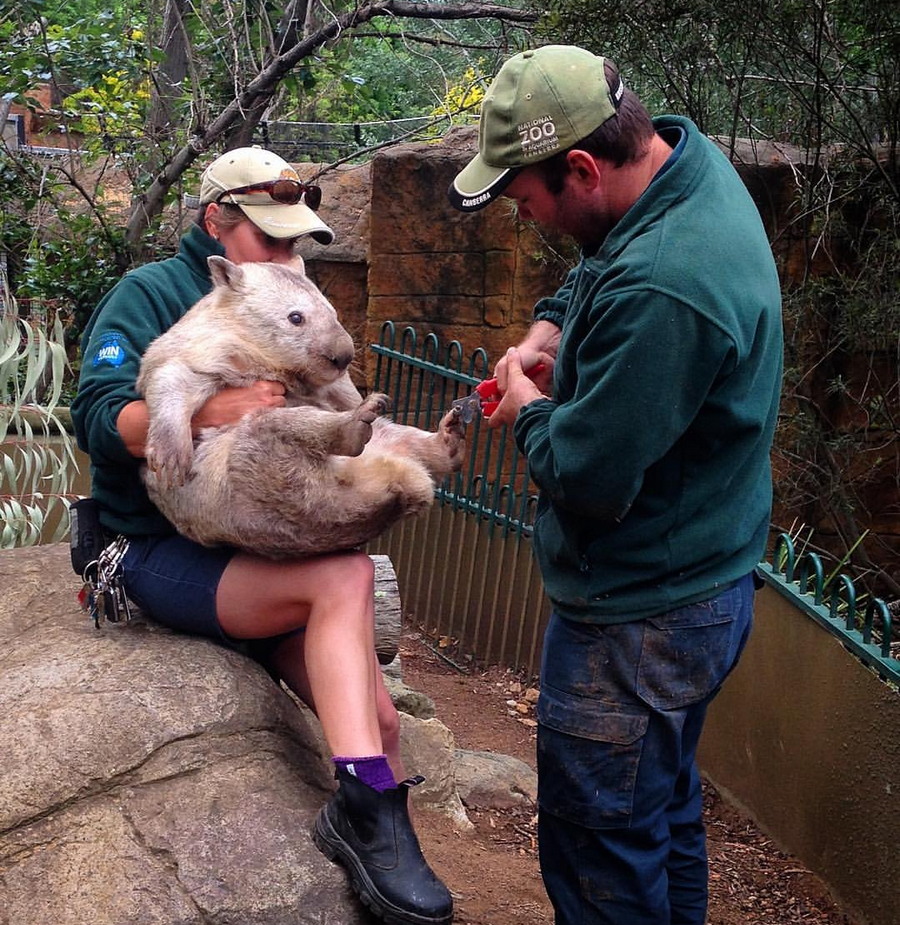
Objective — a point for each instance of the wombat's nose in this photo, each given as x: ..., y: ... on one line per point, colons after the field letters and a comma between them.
x: 342, y: 359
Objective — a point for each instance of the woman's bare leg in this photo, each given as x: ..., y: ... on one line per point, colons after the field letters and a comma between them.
x: 333, y: 598
x: 333, y: 665
x: 289, y: 662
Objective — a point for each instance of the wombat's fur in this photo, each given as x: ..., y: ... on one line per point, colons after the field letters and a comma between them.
x: 322, y: 474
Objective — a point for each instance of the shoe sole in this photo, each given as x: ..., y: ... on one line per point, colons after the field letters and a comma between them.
x: 330, y: 843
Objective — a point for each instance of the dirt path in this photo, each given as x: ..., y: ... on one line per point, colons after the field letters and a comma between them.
x: 493, y: 871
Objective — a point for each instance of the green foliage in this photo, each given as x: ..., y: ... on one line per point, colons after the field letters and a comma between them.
x: 36, y: 453
x: 57, y: 231
x: 69, y: 13
x: 808, y: 73
x: 41, y: 42
x: 387, y: 78
x: 59, y: 251
x: 19, y: 194
x: 113, y: 108
x: 72, y: 268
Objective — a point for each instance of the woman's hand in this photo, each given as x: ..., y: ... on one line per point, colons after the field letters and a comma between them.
x: 234, y: 402
x: 225, y: 407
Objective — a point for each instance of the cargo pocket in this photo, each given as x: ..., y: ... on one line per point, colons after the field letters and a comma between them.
x: 686, y: 655
x: 588, y: 756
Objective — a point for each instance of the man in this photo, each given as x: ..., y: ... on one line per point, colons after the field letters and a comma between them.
x: 651, y: 452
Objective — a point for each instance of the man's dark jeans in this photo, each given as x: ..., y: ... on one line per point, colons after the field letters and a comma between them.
x: 620, y: 714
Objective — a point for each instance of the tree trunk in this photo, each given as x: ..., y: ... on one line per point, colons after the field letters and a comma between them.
x: 167, y: 81
x: 170, y: 75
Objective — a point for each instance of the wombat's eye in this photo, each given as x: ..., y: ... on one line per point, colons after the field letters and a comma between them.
x: 295, y: 318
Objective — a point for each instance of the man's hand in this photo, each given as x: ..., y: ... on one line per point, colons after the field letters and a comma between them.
x: 515, y: 387
x: 232, y: 403
x: 539, y: 347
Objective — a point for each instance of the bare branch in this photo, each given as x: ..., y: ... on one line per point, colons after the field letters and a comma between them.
x: 261, y: 88
x: 426, y: 40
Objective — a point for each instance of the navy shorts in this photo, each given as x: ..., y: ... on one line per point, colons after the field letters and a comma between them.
x: 174, y: 581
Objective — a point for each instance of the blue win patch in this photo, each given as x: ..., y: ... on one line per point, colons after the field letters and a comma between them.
x: 111, y: 350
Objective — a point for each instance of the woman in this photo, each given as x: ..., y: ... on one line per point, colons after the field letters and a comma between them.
x: 311, y: 621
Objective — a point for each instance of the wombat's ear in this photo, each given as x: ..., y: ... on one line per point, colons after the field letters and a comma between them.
x: 297, y: 264
x: 224, y: 272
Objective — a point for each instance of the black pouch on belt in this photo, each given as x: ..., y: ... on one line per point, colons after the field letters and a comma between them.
x: 86, y: 540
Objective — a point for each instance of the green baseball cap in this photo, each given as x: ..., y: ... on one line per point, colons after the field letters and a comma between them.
x: 541, y: 101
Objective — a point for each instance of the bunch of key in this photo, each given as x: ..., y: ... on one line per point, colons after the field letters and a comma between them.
x: 102, y: 594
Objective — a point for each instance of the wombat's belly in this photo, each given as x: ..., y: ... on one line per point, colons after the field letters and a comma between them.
x: 280, y: 502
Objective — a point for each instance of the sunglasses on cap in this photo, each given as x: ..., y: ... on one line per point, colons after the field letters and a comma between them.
x: 285, y: 192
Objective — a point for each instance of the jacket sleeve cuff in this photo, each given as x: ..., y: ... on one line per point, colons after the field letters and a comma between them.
x: 529, y: 415
x: 554, y: 317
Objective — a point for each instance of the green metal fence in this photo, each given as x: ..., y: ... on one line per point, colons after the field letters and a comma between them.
x: 864, y: 624
x: 465, y: 569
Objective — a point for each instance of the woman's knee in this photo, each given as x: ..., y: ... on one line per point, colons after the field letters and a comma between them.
x: 342, y: 582
x: 360, y: 569
x: 350, y: 574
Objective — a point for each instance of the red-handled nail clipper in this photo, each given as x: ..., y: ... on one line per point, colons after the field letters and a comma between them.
x: 485, y: 397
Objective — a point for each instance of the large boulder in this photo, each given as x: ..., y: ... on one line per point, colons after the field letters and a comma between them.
x: 486, y: 779
x: 151, y: 777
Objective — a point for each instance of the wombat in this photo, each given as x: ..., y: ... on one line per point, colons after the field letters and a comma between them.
x: 324, y: 473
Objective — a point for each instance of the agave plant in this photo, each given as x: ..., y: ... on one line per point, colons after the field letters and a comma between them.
x: 36, y: 452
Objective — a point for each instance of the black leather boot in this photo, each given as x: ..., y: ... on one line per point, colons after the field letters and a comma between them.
x: 371, y: 834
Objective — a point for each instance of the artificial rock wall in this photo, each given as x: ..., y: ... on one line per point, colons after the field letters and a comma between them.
x: 470, y: 278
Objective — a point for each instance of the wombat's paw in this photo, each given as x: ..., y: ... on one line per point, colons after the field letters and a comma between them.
x: 373, y: 406
x: 170, y: 465
x: 452, y: 432
x: 356, y: 432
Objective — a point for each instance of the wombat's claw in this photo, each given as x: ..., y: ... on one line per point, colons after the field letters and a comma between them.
x: 167, y: 477
x: 170, y: 471
x: 452, y: 425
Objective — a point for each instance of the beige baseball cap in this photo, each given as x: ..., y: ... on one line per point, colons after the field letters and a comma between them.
x: 267, y: 190
x: 541, y: 101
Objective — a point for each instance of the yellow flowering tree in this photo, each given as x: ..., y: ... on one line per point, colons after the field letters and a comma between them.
x: 462, y: 100
x: 114, y: 108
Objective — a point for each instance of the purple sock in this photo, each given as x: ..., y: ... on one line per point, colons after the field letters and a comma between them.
x: 373, y: 771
